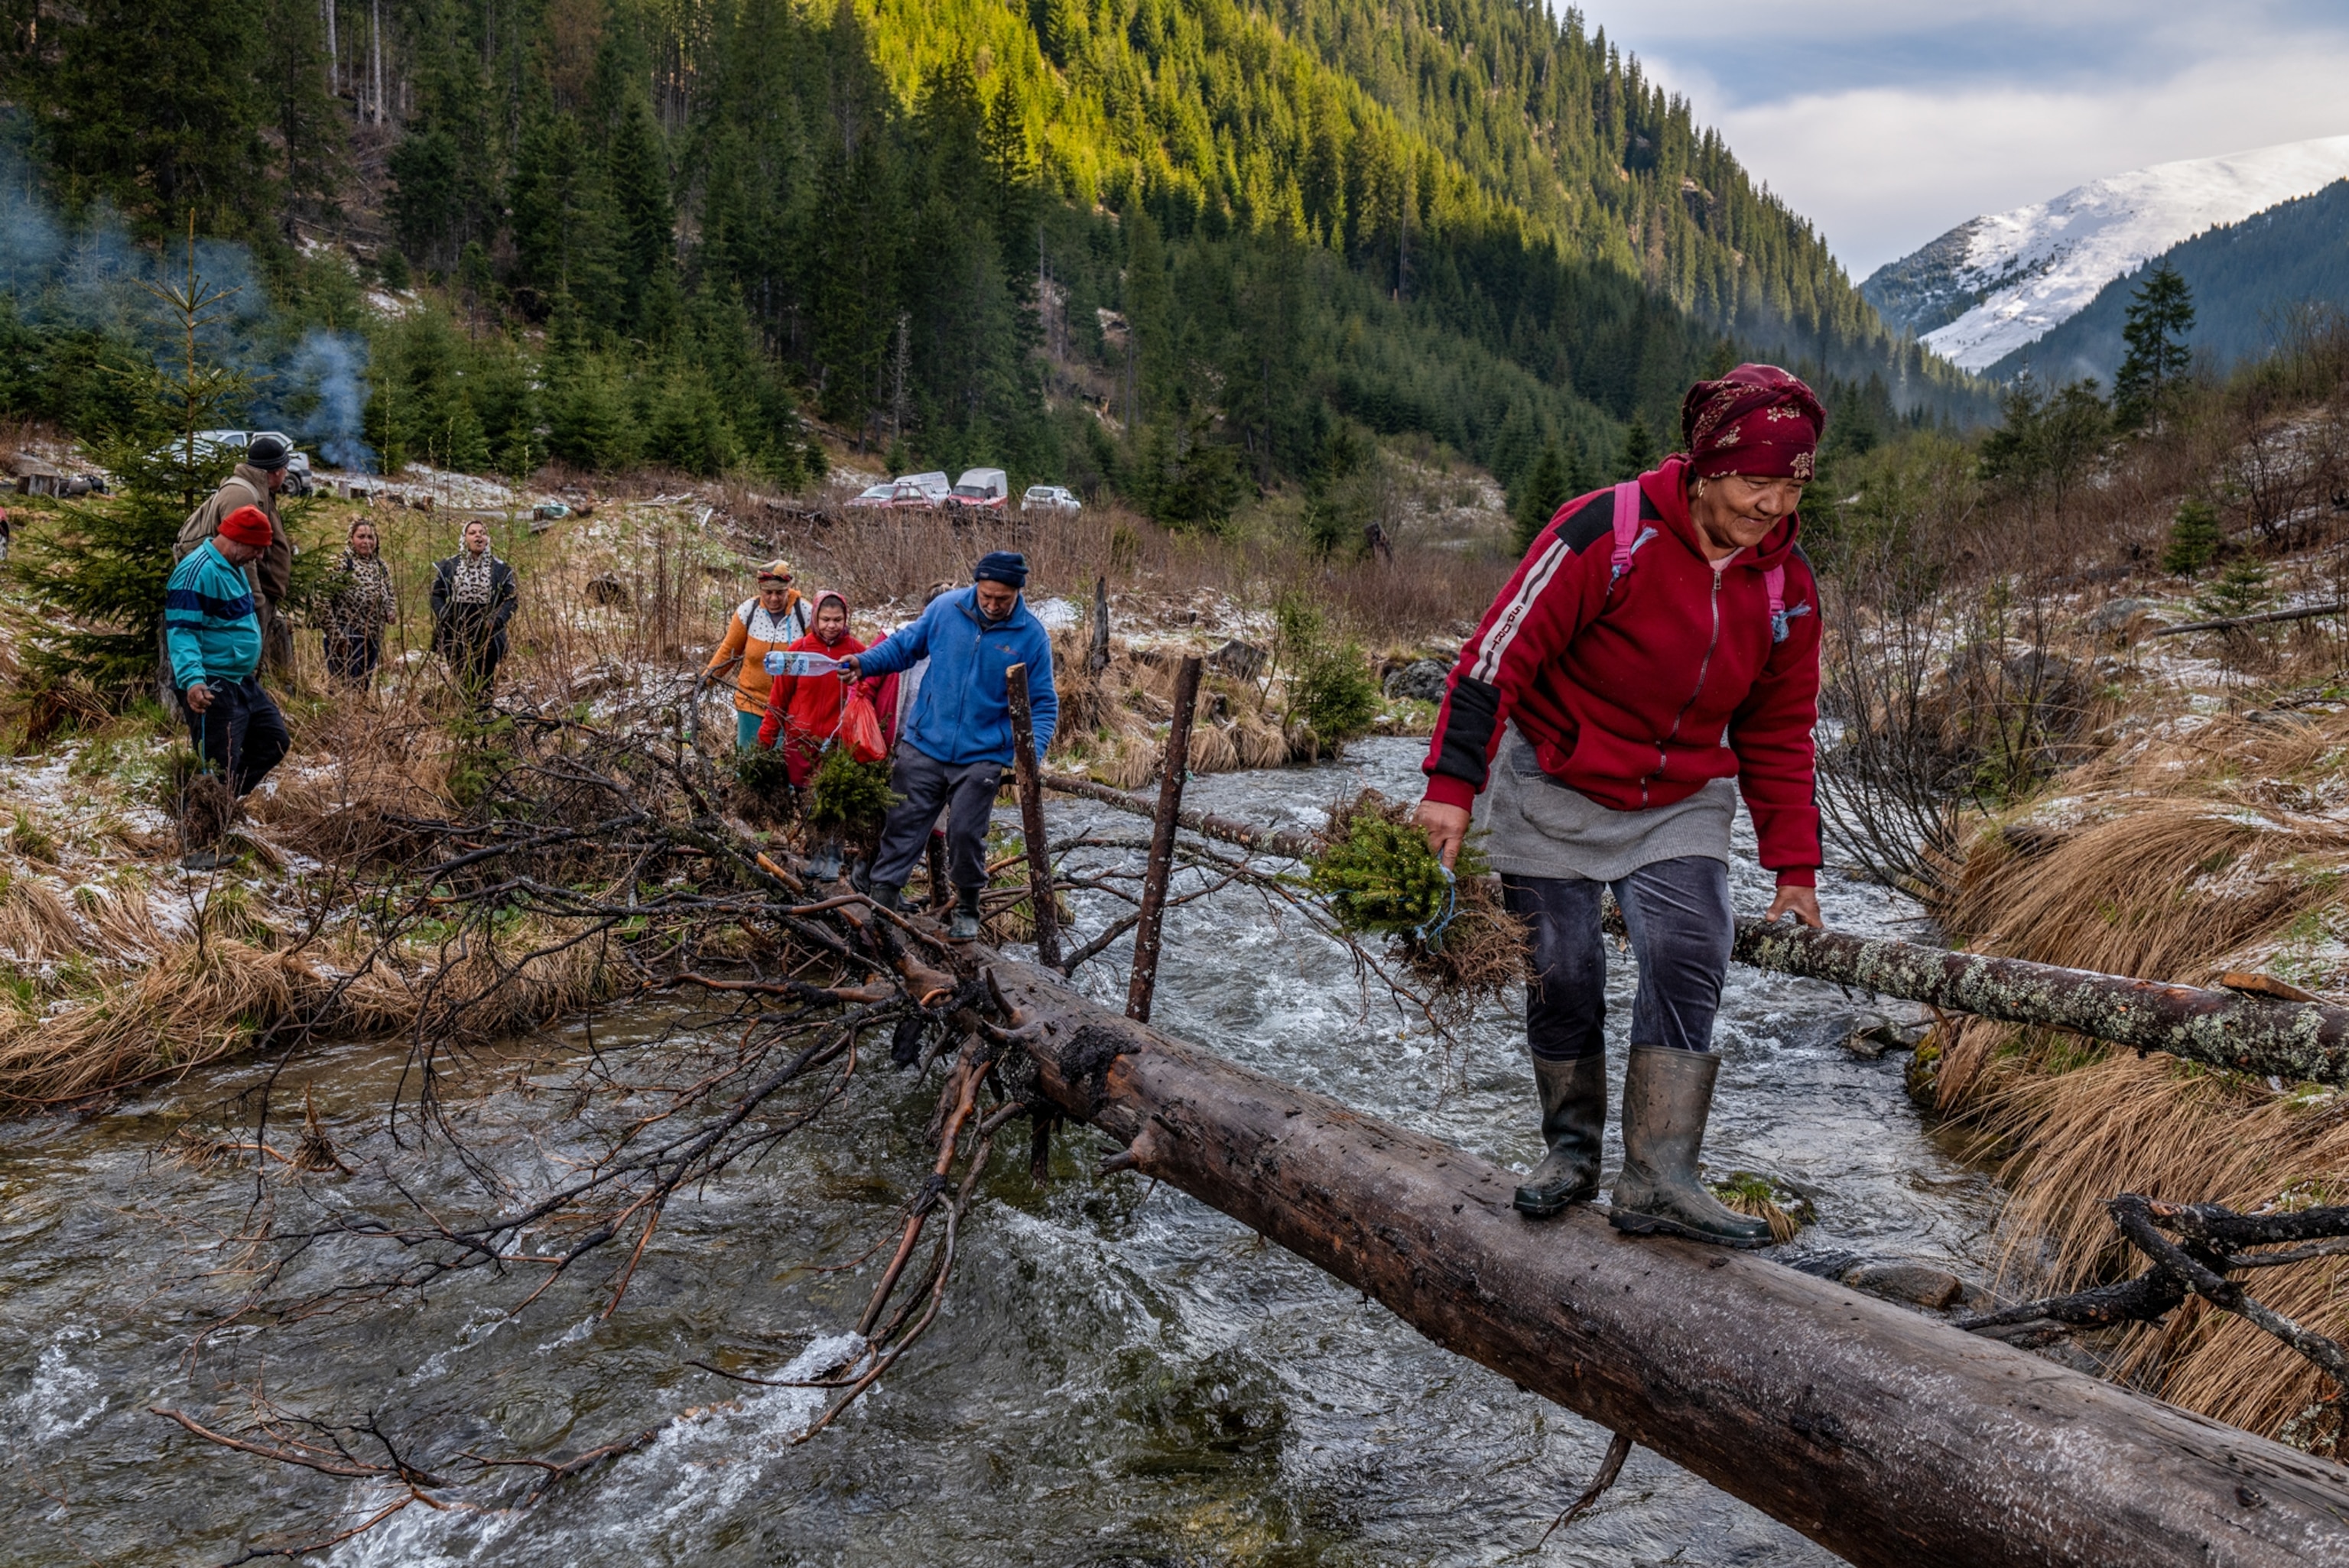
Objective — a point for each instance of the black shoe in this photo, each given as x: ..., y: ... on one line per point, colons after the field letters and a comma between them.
x: 888, y: 895
x: 1667, y: 1097
x: 1574, y: 1115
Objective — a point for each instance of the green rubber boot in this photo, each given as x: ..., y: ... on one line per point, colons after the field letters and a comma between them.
x: 1667, y: 1095
x: 1574, y: 1115
x: 964, y: 926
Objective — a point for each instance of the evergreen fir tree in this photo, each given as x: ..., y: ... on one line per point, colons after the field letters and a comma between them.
x: 638, y: 175
x: 1639, y: 454
x: 1545, y: 489
x: 98, y: 575
x: 2160, y: 315
x: 2194, y: 539
x: 2243, y: 589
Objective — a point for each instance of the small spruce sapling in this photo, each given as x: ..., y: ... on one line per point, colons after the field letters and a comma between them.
x: 2242, y: 590
x: 2194, y: 539
x: 848, y: 797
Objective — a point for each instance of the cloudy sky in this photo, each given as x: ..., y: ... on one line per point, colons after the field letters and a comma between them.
x: 1888, y: 123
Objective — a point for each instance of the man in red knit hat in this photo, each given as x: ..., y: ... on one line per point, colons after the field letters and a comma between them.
x: 212, y: 632
x: 1656, y: 652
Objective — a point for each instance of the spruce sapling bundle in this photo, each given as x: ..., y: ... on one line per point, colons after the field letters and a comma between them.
x: 1378, y: 876
x: 849, y: 797
x: 763, y: 785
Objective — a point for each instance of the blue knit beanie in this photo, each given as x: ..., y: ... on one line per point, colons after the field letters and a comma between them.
x: 1005, y: 566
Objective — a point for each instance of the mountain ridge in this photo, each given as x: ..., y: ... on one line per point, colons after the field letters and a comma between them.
x: 1979, y: 292
x: 2247, y: 280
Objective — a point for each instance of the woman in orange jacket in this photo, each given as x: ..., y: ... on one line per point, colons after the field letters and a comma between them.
x: 776, y: 618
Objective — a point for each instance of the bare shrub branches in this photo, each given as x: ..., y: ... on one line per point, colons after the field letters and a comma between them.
x: 2194, y: 1248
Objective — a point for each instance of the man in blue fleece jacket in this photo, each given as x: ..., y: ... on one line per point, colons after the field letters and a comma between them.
x: 957, y: 739
x: 212, y: 629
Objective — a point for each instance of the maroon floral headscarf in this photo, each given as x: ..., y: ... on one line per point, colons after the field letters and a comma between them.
x: 1756, y: 420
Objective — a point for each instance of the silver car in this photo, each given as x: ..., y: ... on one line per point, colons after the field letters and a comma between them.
x: 1050, y: 497
x: 297, y: 462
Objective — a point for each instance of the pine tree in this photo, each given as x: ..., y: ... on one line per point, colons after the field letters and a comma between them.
x: 2160, y: 315
x: 1639, y: 454
x: 1011, y: 182
x: 2194, y: 539
x: 99, y: 578
x: 637, y: 173
x: 2243, y: 589
x: 1545, y: 489
x: 155, y: 108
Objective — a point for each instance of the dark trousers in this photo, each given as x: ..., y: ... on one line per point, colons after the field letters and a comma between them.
x: 1679, y: 917
x: 473, y: 663
x: 351, y: 661
x: 968, y: 793
x: 242, y: 736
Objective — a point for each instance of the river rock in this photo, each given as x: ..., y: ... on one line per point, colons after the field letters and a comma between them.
x: 1422, y: 679
x: 1891, y: 1028
x: 1237, y: 659
x: 1920, y: 1284
x: 2114, y: 616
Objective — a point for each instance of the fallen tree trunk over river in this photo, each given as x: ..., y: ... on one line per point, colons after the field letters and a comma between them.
x: 2294, y: 1041
x: 1888, y: 1437
x: 2291, y: 1040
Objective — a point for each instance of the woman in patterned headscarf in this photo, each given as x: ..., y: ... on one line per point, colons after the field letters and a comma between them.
x: 1656, y: 653
x: 359, y: 604
x: 473, y: 597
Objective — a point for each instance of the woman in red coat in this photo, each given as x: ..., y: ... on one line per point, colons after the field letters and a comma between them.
x: 803, y: 711
x: 1656, y: 653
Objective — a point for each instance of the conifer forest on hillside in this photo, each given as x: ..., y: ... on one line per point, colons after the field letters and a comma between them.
x: 1186, y: 250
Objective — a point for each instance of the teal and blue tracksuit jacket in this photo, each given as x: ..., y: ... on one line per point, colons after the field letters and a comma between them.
x: 211, y: 626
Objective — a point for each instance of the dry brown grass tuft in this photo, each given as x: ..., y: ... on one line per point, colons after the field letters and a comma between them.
x: 201, y: 1002
x: 2187, y: 857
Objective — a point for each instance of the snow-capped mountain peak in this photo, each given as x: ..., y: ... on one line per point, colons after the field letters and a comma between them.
x: 1991, y: 284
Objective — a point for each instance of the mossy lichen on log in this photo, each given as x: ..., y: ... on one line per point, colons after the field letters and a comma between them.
x: 2293, y: 1041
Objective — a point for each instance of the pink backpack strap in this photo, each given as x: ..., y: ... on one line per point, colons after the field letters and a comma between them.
x: 1774, y: 581
x: 1628, y: 534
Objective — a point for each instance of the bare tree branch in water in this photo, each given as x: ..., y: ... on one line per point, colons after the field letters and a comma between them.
x: 599, y: 847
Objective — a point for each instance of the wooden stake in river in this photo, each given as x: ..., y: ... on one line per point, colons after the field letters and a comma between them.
x: 1161, y: 842
x: 1032, y: 818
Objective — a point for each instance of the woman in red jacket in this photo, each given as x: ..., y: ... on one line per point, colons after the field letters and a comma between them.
x: 803, y: 711
x: 1656, y: 644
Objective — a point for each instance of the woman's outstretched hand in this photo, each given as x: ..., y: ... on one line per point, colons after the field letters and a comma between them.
x: 1446, y: 828
x: 1803, y: 901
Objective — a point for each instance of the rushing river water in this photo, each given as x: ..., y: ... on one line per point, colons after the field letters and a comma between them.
x: 1122, y: 1376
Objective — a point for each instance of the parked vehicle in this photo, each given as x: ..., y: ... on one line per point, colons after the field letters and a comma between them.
x: 1050, y: 498
x: 980, y: 489
x: 891, y: 495
x: 935, y: 487
x: 221, y: 443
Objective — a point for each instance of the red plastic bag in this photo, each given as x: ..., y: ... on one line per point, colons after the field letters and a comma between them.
x: 859, y: 729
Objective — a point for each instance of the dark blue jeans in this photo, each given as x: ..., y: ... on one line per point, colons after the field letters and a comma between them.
x: 242, y: 736
x: 1682, y: 927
